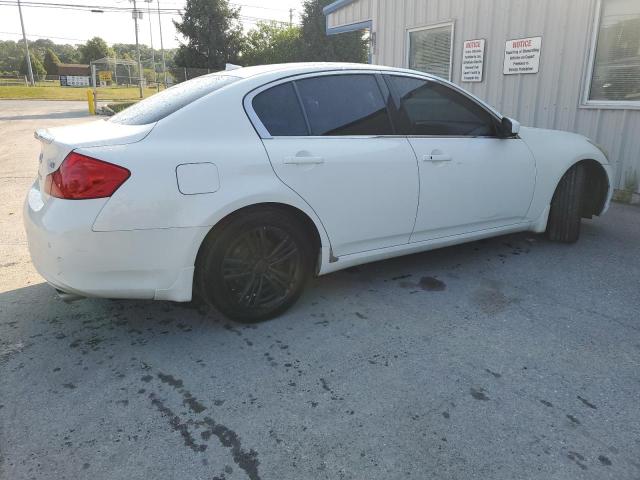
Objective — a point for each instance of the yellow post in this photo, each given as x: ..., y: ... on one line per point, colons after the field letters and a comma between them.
x: 90, y: 100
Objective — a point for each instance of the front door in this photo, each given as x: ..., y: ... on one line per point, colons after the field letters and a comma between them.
x: 470, y: 180
x: 330, y: 140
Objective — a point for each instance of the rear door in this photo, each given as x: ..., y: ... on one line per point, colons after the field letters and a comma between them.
x: 330, y: 139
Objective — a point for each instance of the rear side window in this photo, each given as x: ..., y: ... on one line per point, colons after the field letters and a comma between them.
x: 279, y: 111
x: 430, y: 108
x: 344, y: 105
x: 162, y: 104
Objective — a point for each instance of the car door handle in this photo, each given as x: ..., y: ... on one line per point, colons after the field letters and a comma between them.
x: 303, y: 160
x: 437, y: 157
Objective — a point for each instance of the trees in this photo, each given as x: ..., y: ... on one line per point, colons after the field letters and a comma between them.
x: 36, y: 65
x: 214, y: 37
x: 11, y: 56
x: 51, y: 62
x: 12, y: 53
x: 271, y: 43
x: 318, y: 47
x: 67, y: 53
x: 213, y: 33
x: 94, y: 49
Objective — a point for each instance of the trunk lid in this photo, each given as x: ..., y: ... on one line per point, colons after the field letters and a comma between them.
x: 56, y: 143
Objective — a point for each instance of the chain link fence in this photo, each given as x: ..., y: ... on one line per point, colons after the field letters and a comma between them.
x: 23, y: 80
x: 116, y: 76
x: 180, y: 74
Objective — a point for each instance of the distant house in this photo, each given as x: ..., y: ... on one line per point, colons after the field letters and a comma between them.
x: 74, y: 69
x: 74, y: 74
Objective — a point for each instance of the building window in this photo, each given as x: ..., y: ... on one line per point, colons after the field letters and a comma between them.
x: 615, y: 71
x: 430, y: 49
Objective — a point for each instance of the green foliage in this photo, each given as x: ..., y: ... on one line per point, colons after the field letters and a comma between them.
x: 149, y: 75
x: 11, y: 56
x: 213, y: 33
x: 51, y: 62
x: 318, y: 47
x: 214, y: 37
x: 36, y: 65
x: 118, y: 107
x: 271, y: 43
x: 95, y: 49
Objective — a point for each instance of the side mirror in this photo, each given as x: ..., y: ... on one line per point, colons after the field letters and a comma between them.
x: 509, y: 127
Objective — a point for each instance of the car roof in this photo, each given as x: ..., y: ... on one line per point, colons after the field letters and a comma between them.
x: 286, y: 69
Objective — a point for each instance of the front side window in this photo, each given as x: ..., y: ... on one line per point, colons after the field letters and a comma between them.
x: 338, y: 105
x: 430, y: 50
x: 616, y: 66
x: 430, y: 108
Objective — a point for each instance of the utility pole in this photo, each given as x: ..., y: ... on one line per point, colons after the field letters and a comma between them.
x: 26, y: 47
x: 153, y: 54
x: 291, y: 17
x: 140, y: 71
x: 164, y: 67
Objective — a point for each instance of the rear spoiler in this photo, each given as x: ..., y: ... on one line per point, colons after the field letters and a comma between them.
x: 43, y: 135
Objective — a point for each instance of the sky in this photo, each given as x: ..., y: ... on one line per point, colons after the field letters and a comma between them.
x: 71, y: 26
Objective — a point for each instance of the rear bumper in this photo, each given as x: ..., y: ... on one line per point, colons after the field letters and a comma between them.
x: 138, y: 264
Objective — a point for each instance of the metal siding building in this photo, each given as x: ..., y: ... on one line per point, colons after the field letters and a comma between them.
x: 552, y: 98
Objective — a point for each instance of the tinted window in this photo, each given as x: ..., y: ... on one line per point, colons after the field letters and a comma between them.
x: 158, y: 106
x: 279, y: 110
x: 429, y: 108
x: 344, y: 105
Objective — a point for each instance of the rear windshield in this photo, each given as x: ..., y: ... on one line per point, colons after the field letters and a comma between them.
x: 164, y: 103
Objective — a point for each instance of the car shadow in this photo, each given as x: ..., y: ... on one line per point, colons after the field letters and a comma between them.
x: 93, y: 323
x: 37, y: 309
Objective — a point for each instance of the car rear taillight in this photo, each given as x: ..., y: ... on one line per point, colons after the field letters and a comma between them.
x: 80, y: 178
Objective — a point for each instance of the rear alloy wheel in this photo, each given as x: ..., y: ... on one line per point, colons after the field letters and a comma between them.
x: 256, y: 266
x: 565, y: 215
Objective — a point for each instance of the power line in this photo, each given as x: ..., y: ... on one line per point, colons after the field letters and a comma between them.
x: 114, y: 9
x: 79, y: 6
x: 39, y: 35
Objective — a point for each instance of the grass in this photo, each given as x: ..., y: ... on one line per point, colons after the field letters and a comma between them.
x: 70, y: 93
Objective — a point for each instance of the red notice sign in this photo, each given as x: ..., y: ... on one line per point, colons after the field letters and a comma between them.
x: 472, y: 60
x: 522, y: 55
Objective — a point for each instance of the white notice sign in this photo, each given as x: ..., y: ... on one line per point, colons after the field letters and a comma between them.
x: 472, y: 60
x: 522, y: 55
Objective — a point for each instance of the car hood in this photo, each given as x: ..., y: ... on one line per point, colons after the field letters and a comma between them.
x: 559, y: 144
x: 535, y: 134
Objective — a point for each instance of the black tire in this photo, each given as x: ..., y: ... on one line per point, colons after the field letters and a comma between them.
x: 566, y: 207
x: 255, y: 266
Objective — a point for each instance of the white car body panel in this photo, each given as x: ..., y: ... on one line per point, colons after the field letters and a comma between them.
x: 460, y: 191
x: 555, y: 152
x: 351, y: 188
x: 371, y: 199
x: 197, y: 178
x: 145, y: 263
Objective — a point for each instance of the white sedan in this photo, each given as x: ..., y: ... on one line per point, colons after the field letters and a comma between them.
x: 240, y: 185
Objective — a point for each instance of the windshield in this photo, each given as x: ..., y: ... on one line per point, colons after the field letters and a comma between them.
x: 164, y: 103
